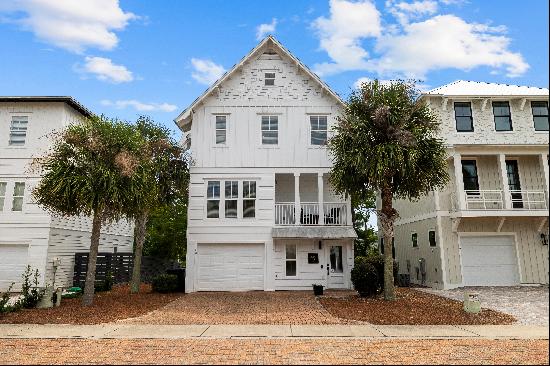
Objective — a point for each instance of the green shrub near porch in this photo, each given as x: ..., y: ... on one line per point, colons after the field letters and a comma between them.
x: 367, y: 274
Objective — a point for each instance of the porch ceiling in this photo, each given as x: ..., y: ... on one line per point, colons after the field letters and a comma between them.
x: 314, y: 232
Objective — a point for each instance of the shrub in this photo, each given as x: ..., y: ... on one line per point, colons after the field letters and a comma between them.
x: 371, y: 262
x: 4, y: 307
x: 30, y: 293
x: 165, y: 283
x: 106, y: 284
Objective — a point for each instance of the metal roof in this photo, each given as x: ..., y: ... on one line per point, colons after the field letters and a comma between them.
x: 482, y: 89
x: 65, y: 99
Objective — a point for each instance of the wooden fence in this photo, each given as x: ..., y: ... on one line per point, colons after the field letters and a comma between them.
x: 120, y: 266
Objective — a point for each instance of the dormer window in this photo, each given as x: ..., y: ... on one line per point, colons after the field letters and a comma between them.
x: 269, y: 78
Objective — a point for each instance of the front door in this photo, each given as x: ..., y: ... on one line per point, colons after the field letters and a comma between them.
x: 335, y: 266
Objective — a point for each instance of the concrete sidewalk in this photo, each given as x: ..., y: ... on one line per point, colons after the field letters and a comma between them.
x: 129, y: 331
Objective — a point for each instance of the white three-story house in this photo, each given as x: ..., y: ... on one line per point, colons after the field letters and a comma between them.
x: 262, y: 214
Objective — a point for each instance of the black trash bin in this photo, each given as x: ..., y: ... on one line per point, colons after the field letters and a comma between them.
x: 180, y: 273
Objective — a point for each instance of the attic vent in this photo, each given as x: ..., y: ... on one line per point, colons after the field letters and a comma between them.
x: 270, y: 52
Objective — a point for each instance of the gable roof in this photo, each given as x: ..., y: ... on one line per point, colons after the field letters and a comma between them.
x: 184, y: 118
x: 482, y: 89
x: 69, y: 100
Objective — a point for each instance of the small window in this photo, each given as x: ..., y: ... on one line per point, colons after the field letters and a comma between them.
x: 221, y: 130
x: 269, y: 78
x: 18, y: 194
x: 469, y: 177
x: 213, y: 199
x: 414, y: 240
x: 249, y: 199
x: 231, y: 197
x: 540, y: 115
x: 431, y: 238
x: 270, y: 130
x: 2, y: 194
x: 503, y: 118
x: 290, y: 258
x: 463, y: 117
x: 318, y: 130
x: 18, y: 130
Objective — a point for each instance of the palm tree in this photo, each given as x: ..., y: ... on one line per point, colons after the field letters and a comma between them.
x: 386, y: 141
x: 93, y: 169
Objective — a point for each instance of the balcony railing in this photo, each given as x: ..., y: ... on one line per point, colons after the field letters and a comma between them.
x: 334, y: 213
x: 529, y: 200
x: 494, y: 200
x: 484, y: 199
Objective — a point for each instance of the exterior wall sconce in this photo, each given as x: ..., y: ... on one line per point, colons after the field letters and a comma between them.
x: 543, y: 239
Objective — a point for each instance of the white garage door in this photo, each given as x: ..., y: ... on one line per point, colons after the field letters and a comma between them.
x: 13, y: 260
x: 489, y: 261
x: 230, y: 267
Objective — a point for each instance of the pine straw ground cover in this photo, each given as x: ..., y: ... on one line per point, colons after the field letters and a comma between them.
x: 108, y: 306
x: 411, y: 307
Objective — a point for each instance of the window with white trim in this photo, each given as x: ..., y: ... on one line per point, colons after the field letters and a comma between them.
x: 269, y: 78
x: 18, y: 130
x: 231, y: 198
x: 290, y: 259
x: 221, y: 130
x: 318, y: 130
x: 540, y: 115
x: 2, y: 194
x: 18, y: 194
x: 270, y: 130
x: 213, y: 199
x: 249, y: 199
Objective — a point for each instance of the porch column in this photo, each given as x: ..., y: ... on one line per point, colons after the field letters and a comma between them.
x: 459, y: 181
x: 321, y: 198
x: 506, y: 196
x: 297, y: 206
x: 543, y: 158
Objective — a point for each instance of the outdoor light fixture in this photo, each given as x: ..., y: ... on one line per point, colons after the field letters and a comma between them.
x: 543, y: 239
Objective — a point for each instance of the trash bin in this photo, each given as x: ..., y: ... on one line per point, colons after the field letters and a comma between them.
x: 180, y: 273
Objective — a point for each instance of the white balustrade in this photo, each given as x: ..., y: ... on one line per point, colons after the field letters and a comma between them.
x: 484, y: 199
x: 284, y: 213
x: 335, y: 214
x: 528, y: 199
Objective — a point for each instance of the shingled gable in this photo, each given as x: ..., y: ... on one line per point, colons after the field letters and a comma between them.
x: 183, y: 120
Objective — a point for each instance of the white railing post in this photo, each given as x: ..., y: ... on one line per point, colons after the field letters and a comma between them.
x: 297, y: 208
x: 506, y: 195
x: 459, y: 181
x: 321, y: 199
x: 543, y: 159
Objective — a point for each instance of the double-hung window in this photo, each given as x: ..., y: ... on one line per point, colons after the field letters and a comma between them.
x: 503, y: 117
x: 18, y: 130
x: 269, y: 78
x: 231, y: 198
x: 270, y: 130
x: 540, y: 115
x: 18, y: 194
x: 2, y: 194
x: 290, y: 258
x: 431, y: 238
x: 463, y: 117
x: 213, y: 199
x: 469, y: 177
x: 414, y: 240
x: 221, y: 130
x: 318, y: 130
x: 249, y: 199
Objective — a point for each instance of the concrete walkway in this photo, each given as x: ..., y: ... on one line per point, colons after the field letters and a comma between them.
x: 130, y: 331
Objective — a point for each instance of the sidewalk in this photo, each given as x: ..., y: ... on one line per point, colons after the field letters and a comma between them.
x: 130, y: 331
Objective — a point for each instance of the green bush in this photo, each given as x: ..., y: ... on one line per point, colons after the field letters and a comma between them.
x: 370, y: 269
x: 165, y: 283
x: 106, y: 284
x: 30, y: 293
x: 4, y: 307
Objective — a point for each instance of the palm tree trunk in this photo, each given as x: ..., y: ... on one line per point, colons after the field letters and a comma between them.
x: 387, y: 218
x: 141, y: 223
x: 89, y: 287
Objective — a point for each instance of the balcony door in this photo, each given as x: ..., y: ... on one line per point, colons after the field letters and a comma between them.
x: 469, y: 177
x: 514, y: 183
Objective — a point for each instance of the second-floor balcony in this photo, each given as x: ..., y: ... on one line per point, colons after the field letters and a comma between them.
x: 494, y: 199
x: 334, y: 213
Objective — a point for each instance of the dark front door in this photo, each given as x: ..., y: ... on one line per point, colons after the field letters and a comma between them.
x: 514, y: 183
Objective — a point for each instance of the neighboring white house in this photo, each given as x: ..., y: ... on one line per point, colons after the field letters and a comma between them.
x: 489, y: 226
x: 28, y: 234
x: 262, y: 214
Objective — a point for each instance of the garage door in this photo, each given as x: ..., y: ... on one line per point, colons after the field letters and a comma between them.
x: 489, y: 261
x: 13, y: 260
x: 230, y: 267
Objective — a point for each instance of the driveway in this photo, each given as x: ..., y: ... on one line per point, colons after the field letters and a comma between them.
x: 258, y: 307
x: 528, y: 304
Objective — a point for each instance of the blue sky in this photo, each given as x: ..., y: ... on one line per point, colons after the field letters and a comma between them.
x: 155, y: 57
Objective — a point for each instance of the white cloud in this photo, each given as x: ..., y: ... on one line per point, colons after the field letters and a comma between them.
x: 206, y: 72
x: 264, y: 29
x: 404, y: 11
x: 341, y: 34
x: 139, y: 106
x: 104, y: 69
x: 72, y: 25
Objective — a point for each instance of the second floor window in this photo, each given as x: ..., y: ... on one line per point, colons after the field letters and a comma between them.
x: 431, y: 238
x: 18, y: 194
x: 269, y: 78
x: 540, y: 115
x: 2, y: 194
x: 270, y: 130
x: 18, y: 130
x: 414, y: 240
x: 221, y: 130
x: 469, y: 177
x: 249, y: 198
x: 463, y: 117
x: 318, y: 130
x: 503, y: 118
x: 213, y: 199
x: 231, y: 198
